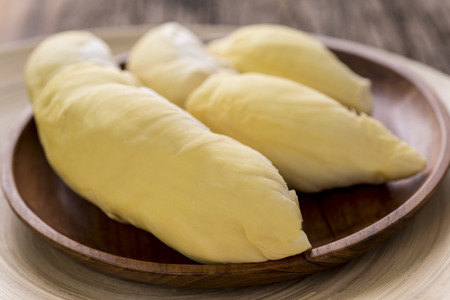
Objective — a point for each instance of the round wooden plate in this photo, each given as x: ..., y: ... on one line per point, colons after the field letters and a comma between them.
x: 341, y: 224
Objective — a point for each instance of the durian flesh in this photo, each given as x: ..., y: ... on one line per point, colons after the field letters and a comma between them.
x: 313, y: 140
x: 145, y: 161
x: 59, y: 51
x: 173, y: 61
x: 289, y: 53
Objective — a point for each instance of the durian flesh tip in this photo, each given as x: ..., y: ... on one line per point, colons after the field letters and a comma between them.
x: 60, y: 50
x: 253, y: 48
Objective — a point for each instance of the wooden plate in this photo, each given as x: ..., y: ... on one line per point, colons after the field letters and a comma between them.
x: 341, y: 224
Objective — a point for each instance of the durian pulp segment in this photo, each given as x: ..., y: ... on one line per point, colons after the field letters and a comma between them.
x: 288, y: 53
x: 313, y: 140
x: 145, y: 161
x: 173, y: 61
x: 59, y: 51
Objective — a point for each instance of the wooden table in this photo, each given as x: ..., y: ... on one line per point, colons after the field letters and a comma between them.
x: 414, y: 264
x: 416, y: 29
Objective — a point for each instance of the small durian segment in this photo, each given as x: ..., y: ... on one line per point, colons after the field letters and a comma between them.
x: 59, y: 51
x: 314, y: 141
x: 144, y: 160
x: 173, y: 61
x: 289, y: 53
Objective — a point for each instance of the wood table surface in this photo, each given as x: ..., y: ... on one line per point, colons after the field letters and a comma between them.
x: 416, y: 29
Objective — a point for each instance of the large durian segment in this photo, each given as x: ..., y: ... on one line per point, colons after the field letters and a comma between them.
x: 144, y: 160
x: 289, y: 53
x: 313, y: 140
x: 59, y: 51
x: 173, y: 61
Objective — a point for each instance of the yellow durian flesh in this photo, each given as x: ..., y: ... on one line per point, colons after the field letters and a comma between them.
x: 145, y: 161
x: 87, y: 75
x: 289, y: 53
x: 59, y: 51
x: 173, y: 61
x: 313, y: 140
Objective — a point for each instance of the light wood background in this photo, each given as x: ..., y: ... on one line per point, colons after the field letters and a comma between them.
x: 418, y: 29
x: 414, y: 264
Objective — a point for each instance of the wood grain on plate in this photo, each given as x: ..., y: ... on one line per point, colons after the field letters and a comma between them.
x: 341, y: 224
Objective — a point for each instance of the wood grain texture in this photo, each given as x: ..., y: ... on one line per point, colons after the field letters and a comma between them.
x: 329, y: 206
x: 414, y: 28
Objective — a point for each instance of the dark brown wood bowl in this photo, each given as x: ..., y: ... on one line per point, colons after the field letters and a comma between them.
x: 341, y: 223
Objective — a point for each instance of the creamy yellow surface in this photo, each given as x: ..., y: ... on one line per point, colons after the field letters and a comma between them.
x: 145, y: 161
x: 173, y: 61
x: 313, y: 140
x: 289, y: 53
x: 59, y: 51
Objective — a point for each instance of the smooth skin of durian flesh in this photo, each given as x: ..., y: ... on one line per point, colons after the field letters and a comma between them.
x: 59, y: 51
x: 313, y: 140
x: 289, y: 53
x: 173, y: 61
x: 144, y: 160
